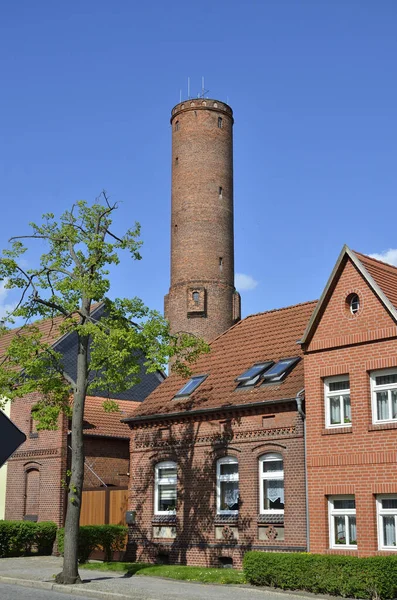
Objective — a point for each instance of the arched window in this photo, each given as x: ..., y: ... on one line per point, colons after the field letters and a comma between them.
x: 227, y: 486
x: 196, y: 297
x: 271, y: 483
x: 176, y: 125
x: 32, y: 493
x: 220, y: 122
x: 165, y: 484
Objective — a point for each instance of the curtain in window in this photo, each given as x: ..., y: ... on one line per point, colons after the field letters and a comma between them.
x: 275, y: 490
x: 389, y: 531
x: 335, y: 410
x: 382, y: 405
x: 340, y: 530
x: 347, y: 407
x: 167, y: 497
x: 394, y: 404
x: 229, y: 495
x: 352, y: 530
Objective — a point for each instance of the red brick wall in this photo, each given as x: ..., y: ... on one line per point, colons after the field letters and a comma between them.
x: 360, y: 460
x: 202, y: 219
x: 44, y: 458
x: 44, y: 452
x: 196, y: 446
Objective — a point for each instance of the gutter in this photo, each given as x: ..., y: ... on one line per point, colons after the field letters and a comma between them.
x: 299, y: 400
x: 204, y: 411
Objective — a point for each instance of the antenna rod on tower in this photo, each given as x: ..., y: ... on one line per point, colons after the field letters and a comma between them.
x: 180, y: 95
x: 188, y: 88
x: 202, y: 87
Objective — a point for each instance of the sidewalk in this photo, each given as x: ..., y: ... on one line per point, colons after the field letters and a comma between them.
x: 38, y: 572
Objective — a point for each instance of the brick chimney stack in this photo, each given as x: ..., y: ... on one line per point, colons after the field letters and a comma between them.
x: 202, y: 298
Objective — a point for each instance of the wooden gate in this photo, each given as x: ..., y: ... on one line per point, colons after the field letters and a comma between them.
x: 104, y: 506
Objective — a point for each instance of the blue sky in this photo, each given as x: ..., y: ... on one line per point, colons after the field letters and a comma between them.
x: 86, y: 93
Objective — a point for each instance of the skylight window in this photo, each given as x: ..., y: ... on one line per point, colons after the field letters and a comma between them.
x: 280, y: 369
x: 251, y: 376
x: 190, y: 386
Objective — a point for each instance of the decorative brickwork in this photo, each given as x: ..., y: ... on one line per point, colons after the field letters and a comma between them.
x: 202, y: 299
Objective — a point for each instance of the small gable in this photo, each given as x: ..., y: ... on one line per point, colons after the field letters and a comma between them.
x: 353, y: 308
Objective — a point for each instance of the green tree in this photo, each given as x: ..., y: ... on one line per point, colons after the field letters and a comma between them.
x: 71, y: 276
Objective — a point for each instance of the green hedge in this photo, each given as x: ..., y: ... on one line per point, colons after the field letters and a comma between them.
x: 109, y: 538
x: 348, y: 576
x: 20, y: 537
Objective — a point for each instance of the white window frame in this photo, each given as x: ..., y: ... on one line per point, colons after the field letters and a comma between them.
x: 328, y: 394
x: 385, y: 512
x: 382, y: 388
x: 159, y: 481
x: 272, y: 475
x: 227, y: 460
x: 340, y: 512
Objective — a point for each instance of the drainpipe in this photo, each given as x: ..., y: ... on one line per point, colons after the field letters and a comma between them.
x: 299, y: 400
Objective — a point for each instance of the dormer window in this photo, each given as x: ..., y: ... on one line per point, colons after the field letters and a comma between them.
x: 190, y: 386
x: 278, y: 371
x: 251, y: 376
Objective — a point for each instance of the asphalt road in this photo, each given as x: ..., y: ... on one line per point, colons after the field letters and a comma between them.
x: 16, y: 592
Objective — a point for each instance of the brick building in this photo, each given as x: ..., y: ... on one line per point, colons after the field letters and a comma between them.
x: 36, y: 470
x: 217, y: 463
x: 202, y: 299
x: 350, y: 355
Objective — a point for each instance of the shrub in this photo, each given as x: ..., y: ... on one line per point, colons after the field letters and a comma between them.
x: 348, y: 576
x: 108, y: 538
x: 18, y: 537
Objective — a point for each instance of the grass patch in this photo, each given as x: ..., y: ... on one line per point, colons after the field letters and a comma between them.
x: 201, y: 574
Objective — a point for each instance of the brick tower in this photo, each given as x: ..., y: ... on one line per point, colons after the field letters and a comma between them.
x: 202, y: 299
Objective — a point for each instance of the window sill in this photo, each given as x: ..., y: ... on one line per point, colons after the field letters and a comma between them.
x: 164, y: 519
x: 225, y: 519
x: 33, y: 435
x: 270, y: 519
x: 382, y: 426
x: 336, y: 430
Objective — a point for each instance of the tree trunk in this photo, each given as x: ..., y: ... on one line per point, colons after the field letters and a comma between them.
x: 70, y: 573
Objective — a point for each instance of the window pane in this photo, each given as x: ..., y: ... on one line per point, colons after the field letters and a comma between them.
x: 344, y: 503
x: 167, y: 472
x: 229, y: 468
x: 347, y: 409
x: 394, y: 404
x: 352, y: 531
x: 389, y: 502
x: 386, y: 379
x: 167, y: 497
x: 273, y: 494
x: 340, y: 530
x: 382, y: 405
x: 229, y: 495
x: 389, y: 531
x: 272, y: 465
x: 335, y: 386
x: 335, y: 410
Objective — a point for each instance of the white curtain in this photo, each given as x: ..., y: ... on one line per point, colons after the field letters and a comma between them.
x: 382, y: 404
x: 389, y: 531
x: 394, y: 404
x: 348, y: 412
x: 340, y: 530
x: 352, y: 530
x: 275, y: 490
x: 335, y: 410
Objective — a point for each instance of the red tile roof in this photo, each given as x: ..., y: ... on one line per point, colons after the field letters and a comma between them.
x: 271, y: 335
x: 100, y: 423
x: 384, y: 275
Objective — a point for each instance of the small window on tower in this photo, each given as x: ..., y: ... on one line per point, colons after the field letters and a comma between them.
x: 196, y: 297
x: 220, y: 192
x: 220, y: 122
x: 220, y: 263
x: 177, y: 126
x: 176, y: 160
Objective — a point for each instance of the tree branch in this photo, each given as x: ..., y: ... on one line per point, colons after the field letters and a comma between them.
x: 50, y: 304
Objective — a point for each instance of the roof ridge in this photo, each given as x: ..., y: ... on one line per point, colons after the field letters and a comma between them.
x: 381, y: 262
x: 271, y: 310
x: 265, y: 312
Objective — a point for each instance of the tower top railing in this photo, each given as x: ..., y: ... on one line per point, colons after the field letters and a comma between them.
x: 201, y: 104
